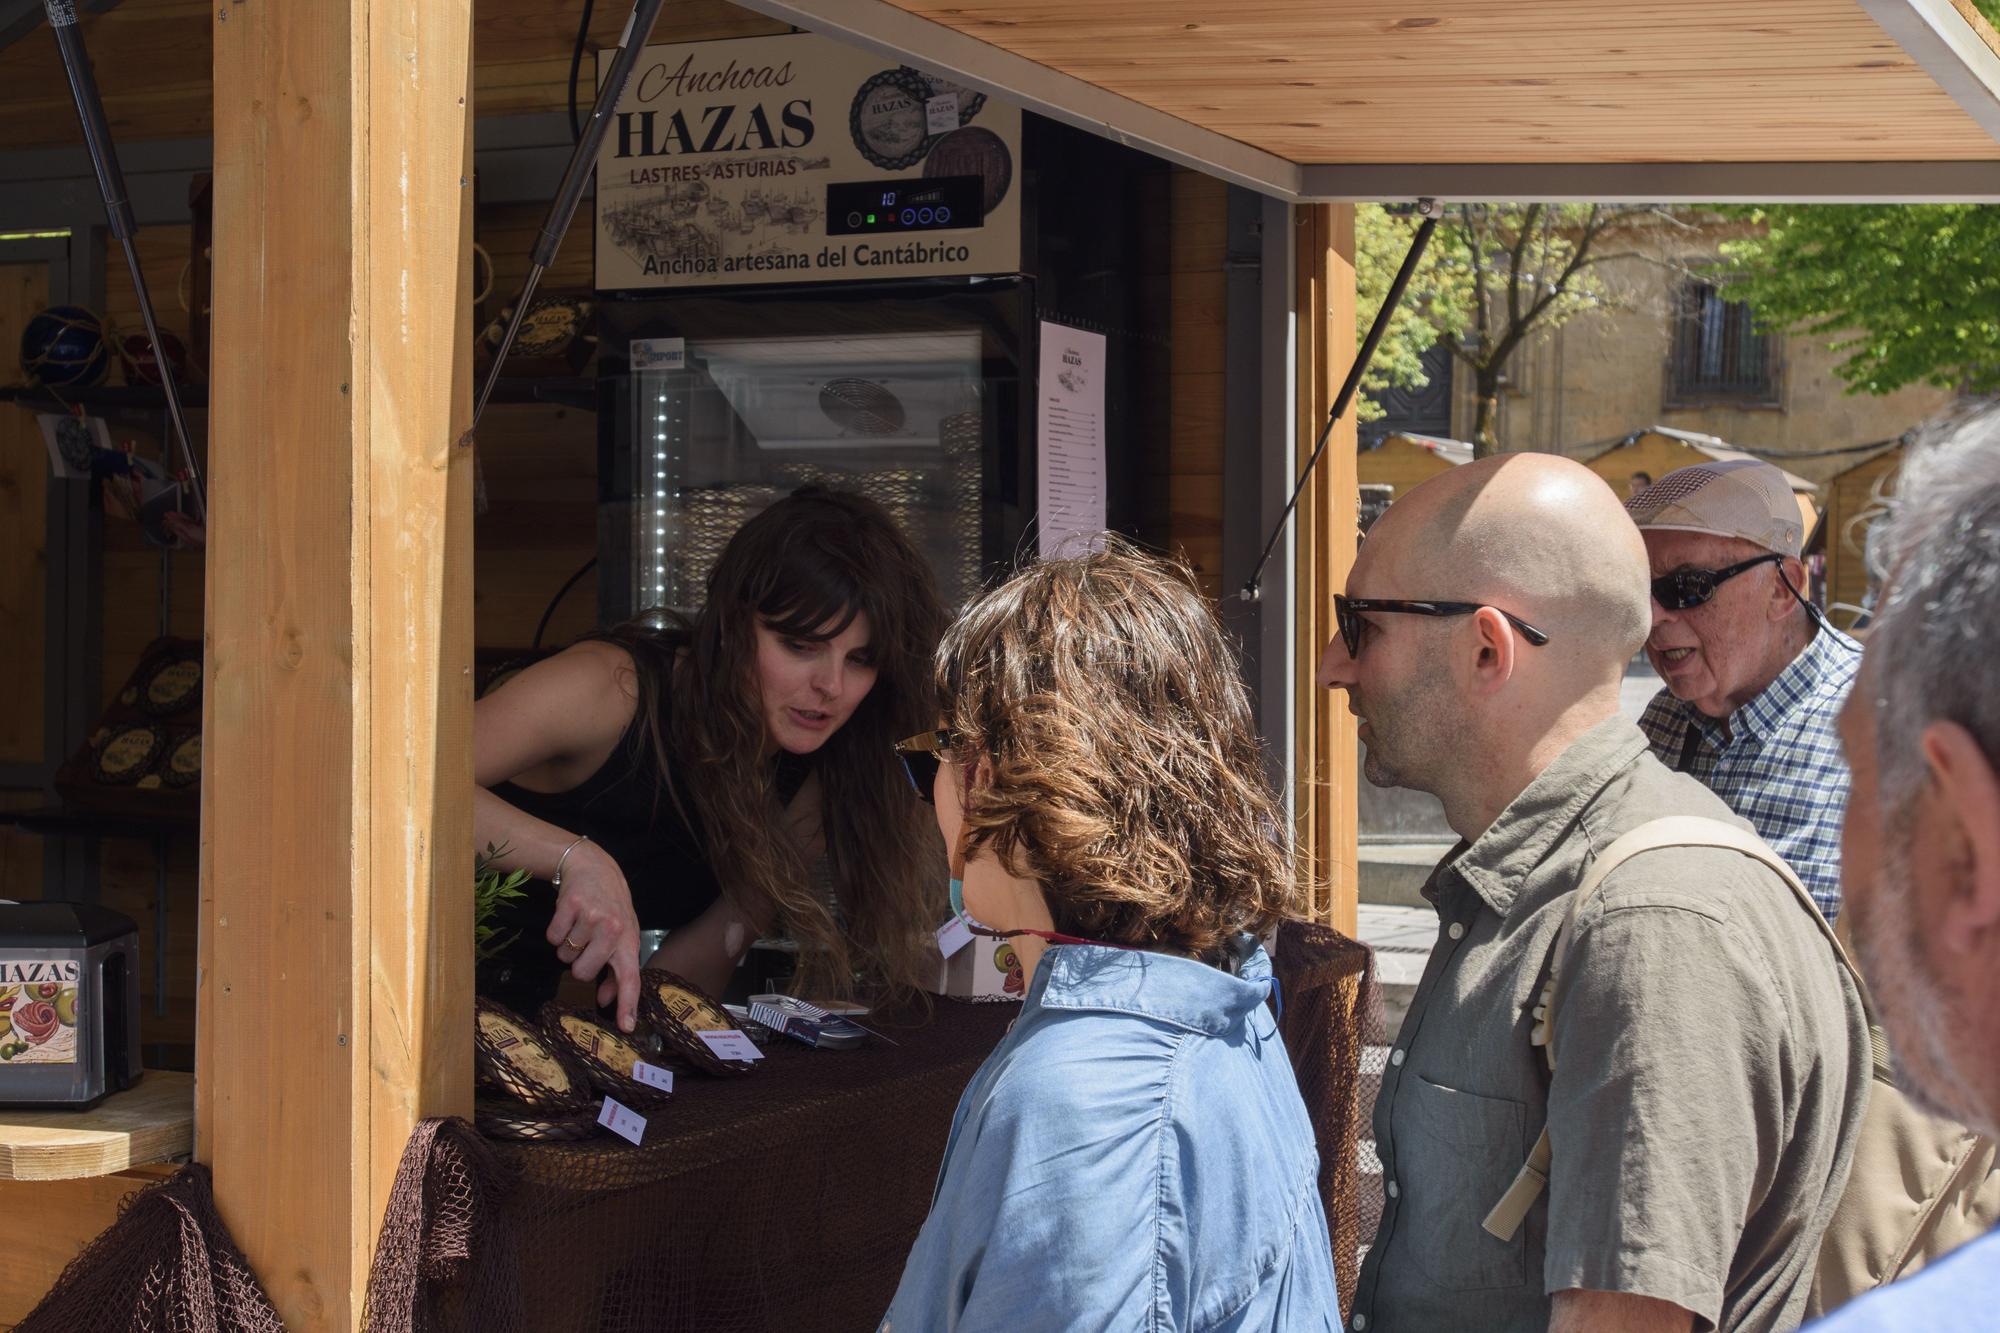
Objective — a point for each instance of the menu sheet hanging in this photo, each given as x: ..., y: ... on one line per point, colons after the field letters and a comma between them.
x: 1070, y: 433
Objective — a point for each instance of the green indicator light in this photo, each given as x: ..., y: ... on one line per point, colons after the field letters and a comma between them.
x: 871, y: 217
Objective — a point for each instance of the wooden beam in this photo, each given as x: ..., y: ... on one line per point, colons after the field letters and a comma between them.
x: 336, y: 942
x: 1325, y: 745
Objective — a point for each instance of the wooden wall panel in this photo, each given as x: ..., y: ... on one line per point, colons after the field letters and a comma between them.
x: 1198, y: 217
x: 128, y: 882
x: 66, y: 1215
x: 541, y: 485
x: 507, y: 233
x: 163, y: 251
x: 153, y: 60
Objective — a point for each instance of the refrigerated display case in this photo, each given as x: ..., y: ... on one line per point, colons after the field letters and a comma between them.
x: 712, y: 406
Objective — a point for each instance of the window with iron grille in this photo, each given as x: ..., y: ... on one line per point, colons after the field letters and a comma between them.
x: 1719, y: 355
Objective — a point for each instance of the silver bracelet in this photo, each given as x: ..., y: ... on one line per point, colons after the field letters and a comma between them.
x: 564, y: 858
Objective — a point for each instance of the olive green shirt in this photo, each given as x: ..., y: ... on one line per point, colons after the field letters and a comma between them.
x: 1712, y: 1072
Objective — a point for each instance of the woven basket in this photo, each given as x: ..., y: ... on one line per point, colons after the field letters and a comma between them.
x: 678, y: 1009
x: 605, y: 1054
x: 513, y: 1057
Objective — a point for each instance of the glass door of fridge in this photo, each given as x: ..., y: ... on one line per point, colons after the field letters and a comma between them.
x: 908, y: 405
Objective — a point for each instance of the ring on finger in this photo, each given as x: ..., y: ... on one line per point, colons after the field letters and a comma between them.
x: 572, y: 945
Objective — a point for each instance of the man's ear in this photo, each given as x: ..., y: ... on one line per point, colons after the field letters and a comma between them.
x: 1792, y: 571
x: 1494, y: 644
x: 1968, y: 802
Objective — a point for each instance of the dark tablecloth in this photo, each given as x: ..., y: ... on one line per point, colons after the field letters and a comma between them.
x: 783, y: 1199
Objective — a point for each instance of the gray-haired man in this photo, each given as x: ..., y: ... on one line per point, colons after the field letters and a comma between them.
x: 1922, y: 838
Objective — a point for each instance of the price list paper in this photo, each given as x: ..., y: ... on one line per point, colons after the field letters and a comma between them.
x: 1070, y: 434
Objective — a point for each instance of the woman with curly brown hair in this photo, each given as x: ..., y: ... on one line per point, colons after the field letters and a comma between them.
x: 686, y: 778
x: 1135, y: 1152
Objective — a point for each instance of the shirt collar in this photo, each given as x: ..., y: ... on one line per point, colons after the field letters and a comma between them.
x: 1180, y: 991
x: 1496, y: 862
x: 1799, y: 682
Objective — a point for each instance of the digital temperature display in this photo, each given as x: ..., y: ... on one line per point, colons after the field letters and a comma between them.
x: 938, y: 203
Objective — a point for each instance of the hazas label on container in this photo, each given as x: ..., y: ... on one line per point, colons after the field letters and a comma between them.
x: 39, y: 1008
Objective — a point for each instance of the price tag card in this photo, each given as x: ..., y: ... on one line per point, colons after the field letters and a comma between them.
x: 652, y: 1076
x: 941, y: 113
x: 622, y: 1121
x: 732, y: 1045
x: 953, y: 935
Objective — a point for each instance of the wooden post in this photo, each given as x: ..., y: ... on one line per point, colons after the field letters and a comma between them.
x: 1328, y: 757
x: 335, y: 992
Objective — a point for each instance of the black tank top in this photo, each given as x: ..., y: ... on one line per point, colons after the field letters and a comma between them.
x: 626, y: 809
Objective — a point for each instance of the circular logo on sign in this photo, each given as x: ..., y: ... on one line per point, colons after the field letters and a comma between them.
x: 887, y: 119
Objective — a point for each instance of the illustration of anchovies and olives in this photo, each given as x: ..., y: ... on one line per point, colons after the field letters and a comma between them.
x: 37, y: 1019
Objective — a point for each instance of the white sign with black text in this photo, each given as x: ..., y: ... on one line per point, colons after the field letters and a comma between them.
x: 794, y: 159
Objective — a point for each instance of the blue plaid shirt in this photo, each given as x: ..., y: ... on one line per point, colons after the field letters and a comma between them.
x: 1780, y: 765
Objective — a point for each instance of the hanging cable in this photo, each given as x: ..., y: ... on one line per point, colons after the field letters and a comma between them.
x: 576, y: 68
x: 557, y: 601
x: 1353, y: 382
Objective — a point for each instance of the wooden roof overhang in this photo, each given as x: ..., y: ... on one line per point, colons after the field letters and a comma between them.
x: 1328, y: 100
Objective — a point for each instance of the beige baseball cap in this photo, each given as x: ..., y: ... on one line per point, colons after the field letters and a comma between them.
x: 1740, y: 497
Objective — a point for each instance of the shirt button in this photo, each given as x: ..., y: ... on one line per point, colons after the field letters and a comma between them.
x: 1360, y: 1322
x: 1456, y: 930
x: 1395, y: 1191
x: 1396, y: 1057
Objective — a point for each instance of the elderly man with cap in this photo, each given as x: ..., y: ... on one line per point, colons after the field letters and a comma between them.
x: 1700, y: 1119
x: 1754, y: 675
x: 1922, y: 731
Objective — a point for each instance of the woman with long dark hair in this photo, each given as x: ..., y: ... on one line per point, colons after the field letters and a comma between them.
x: 687, y: 778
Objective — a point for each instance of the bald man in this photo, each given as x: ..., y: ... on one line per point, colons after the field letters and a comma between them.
x: 1713, y: 1059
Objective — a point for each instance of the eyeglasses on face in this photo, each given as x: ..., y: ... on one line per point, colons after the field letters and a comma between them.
x: 1687, y: 588
x: 922, y: 754
x: 1347, y: 613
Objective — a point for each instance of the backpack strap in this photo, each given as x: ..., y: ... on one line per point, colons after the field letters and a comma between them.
x: 1504, y: 1221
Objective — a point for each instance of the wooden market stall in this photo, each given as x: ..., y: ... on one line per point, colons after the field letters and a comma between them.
x: 1854, y: 498
x: 1400, y: 460
x: 356, y: 151
x: 1658, y: 450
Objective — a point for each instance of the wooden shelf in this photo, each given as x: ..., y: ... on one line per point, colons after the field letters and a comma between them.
x: 72, y: 820
x: 150, y: 1122
x: 579, y: 391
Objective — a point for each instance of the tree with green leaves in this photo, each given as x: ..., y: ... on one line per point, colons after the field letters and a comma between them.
x: 1909, y: 293
x: 1496, y: 276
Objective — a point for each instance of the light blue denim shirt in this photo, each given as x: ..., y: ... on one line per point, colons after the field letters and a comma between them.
x: 1133, y: 1155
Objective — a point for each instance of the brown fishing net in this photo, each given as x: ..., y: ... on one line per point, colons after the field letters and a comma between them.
x: 1331, y: 1012
x: 785, y: 1198
x: 782, y: 1199
x: 167, y: 1263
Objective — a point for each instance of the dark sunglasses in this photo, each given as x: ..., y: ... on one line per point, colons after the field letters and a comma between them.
x: 1686, y: 588
x: 1347, y: 613
x: 922, y: 754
